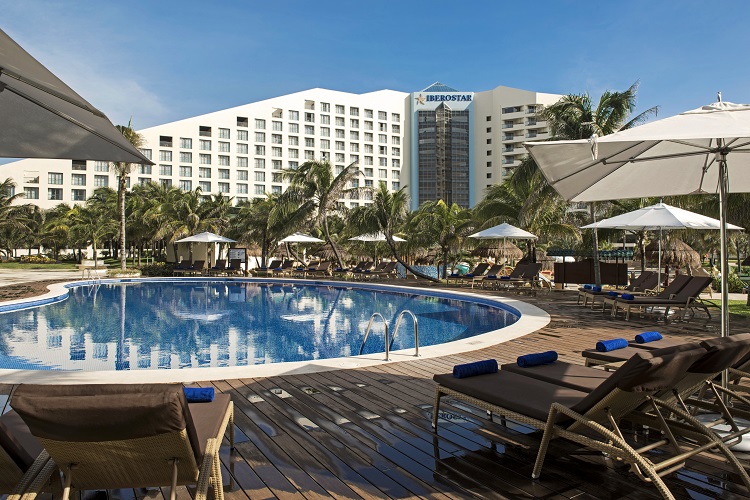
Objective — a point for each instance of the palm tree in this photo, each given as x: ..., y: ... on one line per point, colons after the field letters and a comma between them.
x: 386, y: 214
x: 94, y: 222
x: 574, y: 117
x: 13, y: 217
x: 122, y: 169
x: 315, y: 190
x: 56, y: 229
x: 445, y: 225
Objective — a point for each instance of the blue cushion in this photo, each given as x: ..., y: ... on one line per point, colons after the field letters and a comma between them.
x: 492, y: 276
x: 277, y: 269
x: 536, y: 359
x: 469, y: 275
x: 628, y: 296
x: 476, y: 368
x: 454, y: 275
x: 199, y: 394
x: 588, y: 287
x: 504, y: 277
x: 611, y: 345
x: 644, y: 337
x: 597, y: 289
x: 613, y: 294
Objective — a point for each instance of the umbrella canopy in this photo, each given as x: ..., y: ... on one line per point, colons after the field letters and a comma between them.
x: 374, y: 237
x: 504, y: 230
x: 300, y: 238
x: 693, y: 152
x: 674, y: 252
x: 41, y: 117
x: 499, y: 249
x: 205, y: 237
x: 659, y: 216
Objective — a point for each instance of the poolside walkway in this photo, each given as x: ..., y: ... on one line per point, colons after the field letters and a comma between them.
x: 365, y: 433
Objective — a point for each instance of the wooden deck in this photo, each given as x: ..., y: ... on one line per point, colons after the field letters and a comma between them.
x: 365, y: 433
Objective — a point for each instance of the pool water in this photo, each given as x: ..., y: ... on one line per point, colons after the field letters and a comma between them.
x: 172, y: 325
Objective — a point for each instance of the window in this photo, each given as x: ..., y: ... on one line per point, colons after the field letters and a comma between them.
x: 293, y: 140
x: 382, y: 173
x: 260, y: 177
x: 223, y: 133
x: 396, y: 129
x: 101, y: 166
x: 489, y: 141
x: 294, y: 115
x: 325, y: 144
x: 31, y: 193
x: 165, y: 183
x: 309, y: 130
x: 293, y: 165
x: 277, y: 127
x: 309, y: 154
x: 340, y: 134
x: 242, y: 148
x: 339, y: 109
x: 396, y: 163
x: 353, y: 158
x: 260, y: 123
x: 204, y: 131
x: 241, y: 199
x: 354, y: 147
x: 204, y: 145
x: 294, y: 128
x: 339, y: 169
x: 276, y: 189
x: 368, y: 125
x: 260, y: 150
x: 354, y: 135
x: 276, y: 164
x: 396, y: 151
x: 368, y: 182
x: 146, y: 153
x: 489, y: 152
x: 382, y: 139
x: 204, y: 159
x: 489, y: 118
x: 383, y: 162
x: 369, y: 149
x: 204, y: 173
x: 101, y: 181
x: 383, y: 127
x: 276, y: 139
x: 223, y: 161
x: 325, y: 119
x: 395, y: 185
x: 186, y: 157
x: 275, y: 152
x: 339, y: 145
x: 242, y: 162
x: 260, y: 189
x: 186, y: 185
x: 309, y: 142
x: 242, y: 135
x: 310, y: 117
x: 54, y: 178
x: 383, y: 150
x: 165, y: 170
x: 165, y: 156
x: 368, y: 160
x: 340, y: 121
x: 223, y: 187
x: 259, y: 163
x: 293, y: 153
x: 382, y: 115
x: 489, y: 164
x: 78, y: 179
x: 205, y: 186
x: 186, y: 171
x: 326, y: 107
x: 78, y: 195
x: 241, y: 188
x: 396, y: 140
x: 368, y: 136
x: 325, y: 131
x: 489, y: 129
x: 276, y: 177
x: 55, y: 194
x: 242, y: 175
x: 489, y: 175
x: 354, y: 123
x: 260, y: 137
x: 79, y: 165
x: 242, y: 121
x: 340, y: 157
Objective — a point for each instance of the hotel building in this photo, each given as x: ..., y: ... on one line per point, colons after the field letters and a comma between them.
x: 440, y: 142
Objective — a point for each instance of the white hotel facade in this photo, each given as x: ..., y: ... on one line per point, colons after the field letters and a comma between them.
x: 440, y: 142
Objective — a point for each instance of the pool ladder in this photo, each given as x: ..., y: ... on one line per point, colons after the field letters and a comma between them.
x: 389, y: 344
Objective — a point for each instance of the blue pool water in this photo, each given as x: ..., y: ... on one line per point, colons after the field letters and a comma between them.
x: 170, y: 325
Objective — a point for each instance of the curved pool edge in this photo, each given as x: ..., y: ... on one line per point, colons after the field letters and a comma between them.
x: 532, y: 319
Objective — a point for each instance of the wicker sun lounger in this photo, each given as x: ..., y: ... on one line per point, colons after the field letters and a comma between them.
x: 687, y: 298
x: 128, y: 436
x: 669, y: 291
x: 478, y: 270
x: 591, y: 419
x: 24, y: 465
x: 516, y: 273
x: 644, y: 283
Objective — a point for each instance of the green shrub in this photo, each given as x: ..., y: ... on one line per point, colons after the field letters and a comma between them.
x: 735, y: 284
x: 36, y: 259
x: 157, y: 269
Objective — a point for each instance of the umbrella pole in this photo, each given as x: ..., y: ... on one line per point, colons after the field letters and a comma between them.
x: 658, y: 284
x: 723, y: 181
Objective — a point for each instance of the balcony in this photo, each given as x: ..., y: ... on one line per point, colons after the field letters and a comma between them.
x: 530, y: 123
x: 508, y: 150
x: 508, y: 161
x: 531, y: 134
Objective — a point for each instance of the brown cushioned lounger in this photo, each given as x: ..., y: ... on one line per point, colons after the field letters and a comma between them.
x: 686, y: 298
x: 128, y: 436
x: 667, y: 292
x: 24, y: 465
x: 657, y: 344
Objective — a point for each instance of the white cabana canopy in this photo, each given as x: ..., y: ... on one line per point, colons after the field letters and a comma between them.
x: 374, y: 237
x: 504, y: 230
x: 205, y: 237
x: 657, y: 217
x: 300, y: 238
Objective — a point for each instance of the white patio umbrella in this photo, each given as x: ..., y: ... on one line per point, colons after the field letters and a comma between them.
x: 41, y: 117
x: 375, y: 237
x: 697, y: 151
x: 207, y: 238
x: 300, y: 238
x: 504, y: 231
x: 659, y: 217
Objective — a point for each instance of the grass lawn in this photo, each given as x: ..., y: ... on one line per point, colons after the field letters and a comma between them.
x: 17, y: 265
x: 738, y: 307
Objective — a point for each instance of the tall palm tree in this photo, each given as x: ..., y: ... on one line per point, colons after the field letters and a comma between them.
x: 122, y: 169
x: 56, y: 229
x: 94, y: 222
x: 14, y: 218
x: 315, y: 190
x: 443, y: 224
x: 386, y: 214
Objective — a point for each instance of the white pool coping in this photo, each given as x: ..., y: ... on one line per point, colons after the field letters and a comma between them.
x: 532, y: 319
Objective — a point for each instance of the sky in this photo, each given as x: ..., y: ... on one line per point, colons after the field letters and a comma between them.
x: 162, y: 60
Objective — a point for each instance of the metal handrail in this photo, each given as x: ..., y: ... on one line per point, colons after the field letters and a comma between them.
x: 367, y: 333
x: 416, y: 329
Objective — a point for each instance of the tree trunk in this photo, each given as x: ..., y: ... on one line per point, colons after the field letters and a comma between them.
x: 445, y: 263
x: 392, y: 246
x: 333, y: 247
x: 121, y: 186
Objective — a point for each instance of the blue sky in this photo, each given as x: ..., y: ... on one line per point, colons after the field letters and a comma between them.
x: 163, y: 60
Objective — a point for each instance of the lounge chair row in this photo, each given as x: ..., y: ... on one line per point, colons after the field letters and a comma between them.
x: 653, y: 387
x: 109, y: 437
x: 523, y: 276
x: 219, y: 269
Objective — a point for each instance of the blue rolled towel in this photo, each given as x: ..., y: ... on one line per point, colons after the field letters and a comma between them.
x: 613, y: 294
x: 199, y: 394
x: 476, y: 368
x: 504, y: 277
x: 536, y: 359
x: 597, y: 289
x: 611, y: 345
x: 468, y: 275
x: 588, y: 287
x: 645, y: 337
x: 300, y: 269
x: 277, y: 269
x: 628, y: 296
x: 492, y: 276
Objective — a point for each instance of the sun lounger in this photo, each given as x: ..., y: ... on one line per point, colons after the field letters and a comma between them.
x: 645, y: 282
x: 497, y: 280
x: 687, y: 298
x: 267, y: 270
x: 362, y: 274
x: 473, y: 279
x: 529, y: 276
x: 24, y: 465
x: 389, y: 270
x: 128, y: 436
x: 235, y: 267
x: 669, y: 291
x: 284, y: 270
x: 321, y: 270
x: 591, y: 419
x: 219, y: 269
x: 479, y: 270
